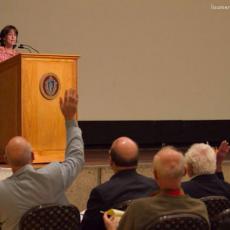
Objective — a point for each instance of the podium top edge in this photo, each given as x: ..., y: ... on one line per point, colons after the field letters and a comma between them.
x: 41, y: 55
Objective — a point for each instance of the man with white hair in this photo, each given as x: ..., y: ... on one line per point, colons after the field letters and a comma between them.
x: 204, y: 167
x: 169, y: 168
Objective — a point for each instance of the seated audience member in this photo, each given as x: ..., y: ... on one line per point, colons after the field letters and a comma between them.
x: 204, y: 168
x: 169, y: 168
x: 28, y: 187
x: 125, y: 184
x: 8, y: 41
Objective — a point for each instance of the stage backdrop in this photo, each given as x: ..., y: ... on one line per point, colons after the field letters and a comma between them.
x: 143, y: 60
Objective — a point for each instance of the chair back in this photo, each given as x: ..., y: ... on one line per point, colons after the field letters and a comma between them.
x: 215, y: 206
x: 179, y: 221
x: 224, y: 220
x: 52, y: 217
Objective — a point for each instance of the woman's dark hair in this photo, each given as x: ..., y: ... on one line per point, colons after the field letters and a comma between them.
x: 5, y: 31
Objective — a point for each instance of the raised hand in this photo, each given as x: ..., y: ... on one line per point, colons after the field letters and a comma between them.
x: 221, y: 152
x: 69, y: 104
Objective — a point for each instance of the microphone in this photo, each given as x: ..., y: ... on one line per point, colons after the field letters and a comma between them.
x: 27, y: 47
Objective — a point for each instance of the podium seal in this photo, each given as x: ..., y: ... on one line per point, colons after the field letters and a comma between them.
x: 49, y: 86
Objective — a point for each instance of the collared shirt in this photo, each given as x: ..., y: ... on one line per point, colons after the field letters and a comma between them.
x: 29, y: 187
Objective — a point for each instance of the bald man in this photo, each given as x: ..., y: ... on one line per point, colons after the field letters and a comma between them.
x: 28, y: 187
x: 18, y: 153
x: 125, y: 184
x: 169, y: 168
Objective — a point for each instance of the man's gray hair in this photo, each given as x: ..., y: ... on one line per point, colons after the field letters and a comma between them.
x: 174, y: 169
x: 201, y: 158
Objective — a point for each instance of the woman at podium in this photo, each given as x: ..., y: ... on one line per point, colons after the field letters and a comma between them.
x: 8, y: 41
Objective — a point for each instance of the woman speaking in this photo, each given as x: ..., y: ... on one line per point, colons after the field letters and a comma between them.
x: 8, y: 41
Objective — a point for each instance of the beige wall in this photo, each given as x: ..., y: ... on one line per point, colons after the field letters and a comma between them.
x: 140, y: 59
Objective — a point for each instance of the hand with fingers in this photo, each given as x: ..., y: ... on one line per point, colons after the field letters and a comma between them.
x: 222, y: 151
x: 110, y: 222
x: 69, y: 104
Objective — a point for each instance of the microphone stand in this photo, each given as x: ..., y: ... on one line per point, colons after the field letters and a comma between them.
x: 27, y: 47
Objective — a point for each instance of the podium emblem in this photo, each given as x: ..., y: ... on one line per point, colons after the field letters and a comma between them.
x: 49, y: 86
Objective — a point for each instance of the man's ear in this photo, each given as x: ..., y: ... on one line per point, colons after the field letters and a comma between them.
x: 185, y: 171
x: 32, y: 157
x: 5, y: 158
x: 112, y: 164
x: 155, y: 174
x: 189, y: 170
x: 110, y: 160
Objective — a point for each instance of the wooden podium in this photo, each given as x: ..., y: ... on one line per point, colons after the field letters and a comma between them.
x: 30, y: 87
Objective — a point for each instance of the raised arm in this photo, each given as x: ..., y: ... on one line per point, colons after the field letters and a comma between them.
x: 221, y: 153
x: 74, y: 154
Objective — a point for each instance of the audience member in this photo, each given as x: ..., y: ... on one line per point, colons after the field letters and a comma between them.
x: 28, y: 187
x: 169, y: 168
x: 125, y: 184
x: 8, y: 40
x: 204, y: 167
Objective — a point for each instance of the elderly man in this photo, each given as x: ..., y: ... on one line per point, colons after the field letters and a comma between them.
x: 125, y: 184
x: 28, y: 187
x: 169, y: 168
x: 205, y: 169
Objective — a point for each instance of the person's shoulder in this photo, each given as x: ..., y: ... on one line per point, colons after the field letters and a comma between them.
x: 145, y: 177
x: 52, y: 169
x: 194, y: 201
x: 140, y: 205
x: 193, y: 186
x: 196, y: 205
x: 101, y: 189
x: 4, y: 184
x: 99, y: 194
x: 141, y: 201
x: 104, y: 187
x: 148, y: 180
x: 16, y: 52
x: 2, y: 48
x: 187, y: 184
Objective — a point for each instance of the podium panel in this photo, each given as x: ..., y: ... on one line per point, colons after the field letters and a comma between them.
x: 27, y: 108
